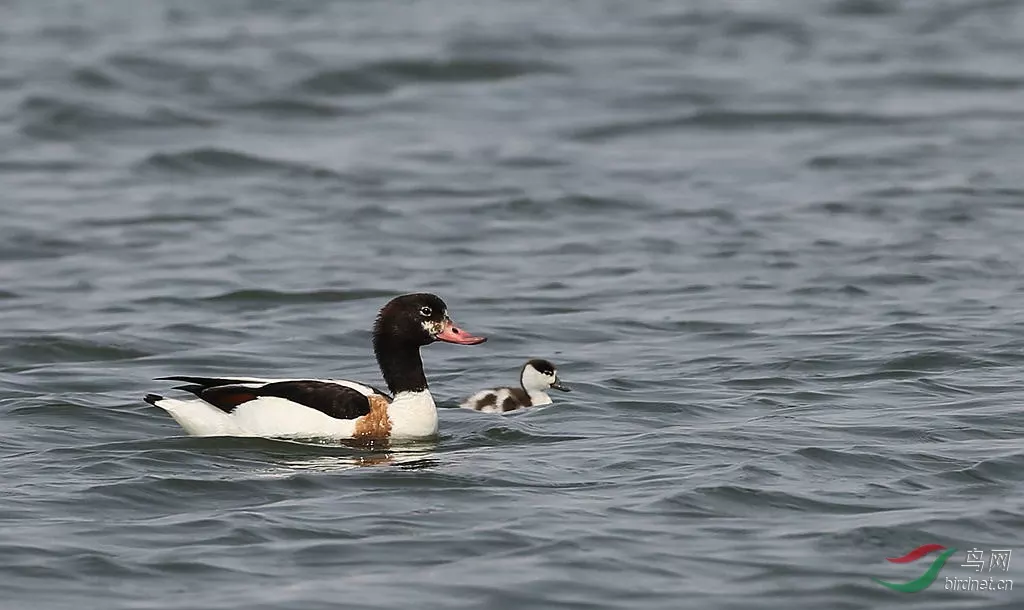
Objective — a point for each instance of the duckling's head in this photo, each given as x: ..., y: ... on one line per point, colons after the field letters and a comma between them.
x: 540, y: 375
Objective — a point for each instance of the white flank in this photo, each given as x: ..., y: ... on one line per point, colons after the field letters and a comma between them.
x: 266, y: 416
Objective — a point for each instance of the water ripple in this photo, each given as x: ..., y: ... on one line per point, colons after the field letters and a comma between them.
x: 206, y: 161
x: 380, y: 77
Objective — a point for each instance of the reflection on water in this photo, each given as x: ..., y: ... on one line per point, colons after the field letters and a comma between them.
x: 408, y: 456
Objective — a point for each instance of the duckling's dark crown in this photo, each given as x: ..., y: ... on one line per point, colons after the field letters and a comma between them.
x: 542, y: 366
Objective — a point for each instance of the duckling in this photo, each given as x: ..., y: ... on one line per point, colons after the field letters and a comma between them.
x: 535, y: 378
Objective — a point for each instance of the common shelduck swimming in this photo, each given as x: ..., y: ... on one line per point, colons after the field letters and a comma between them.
x: 331, y: 408
x: 535, y: 378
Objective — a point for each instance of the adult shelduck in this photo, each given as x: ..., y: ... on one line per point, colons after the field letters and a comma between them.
x: 331, y: 408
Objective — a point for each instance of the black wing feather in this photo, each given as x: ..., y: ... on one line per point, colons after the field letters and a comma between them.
x: 335, y: 400
x: 206, y: 382
x: 338, y: 401
x: 227, y: 397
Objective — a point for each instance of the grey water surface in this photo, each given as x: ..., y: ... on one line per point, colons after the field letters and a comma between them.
x: 776, y: 248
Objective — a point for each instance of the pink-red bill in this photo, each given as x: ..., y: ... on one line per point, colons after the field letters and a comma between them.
x: 452, y: 334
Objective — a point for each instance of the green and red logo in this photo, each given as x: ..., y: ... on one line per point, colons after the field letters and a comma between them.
x: 925, y: 580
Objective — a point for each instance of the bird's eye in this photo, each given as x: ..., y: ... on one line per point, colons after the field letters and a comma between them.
x: 426, y: 311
